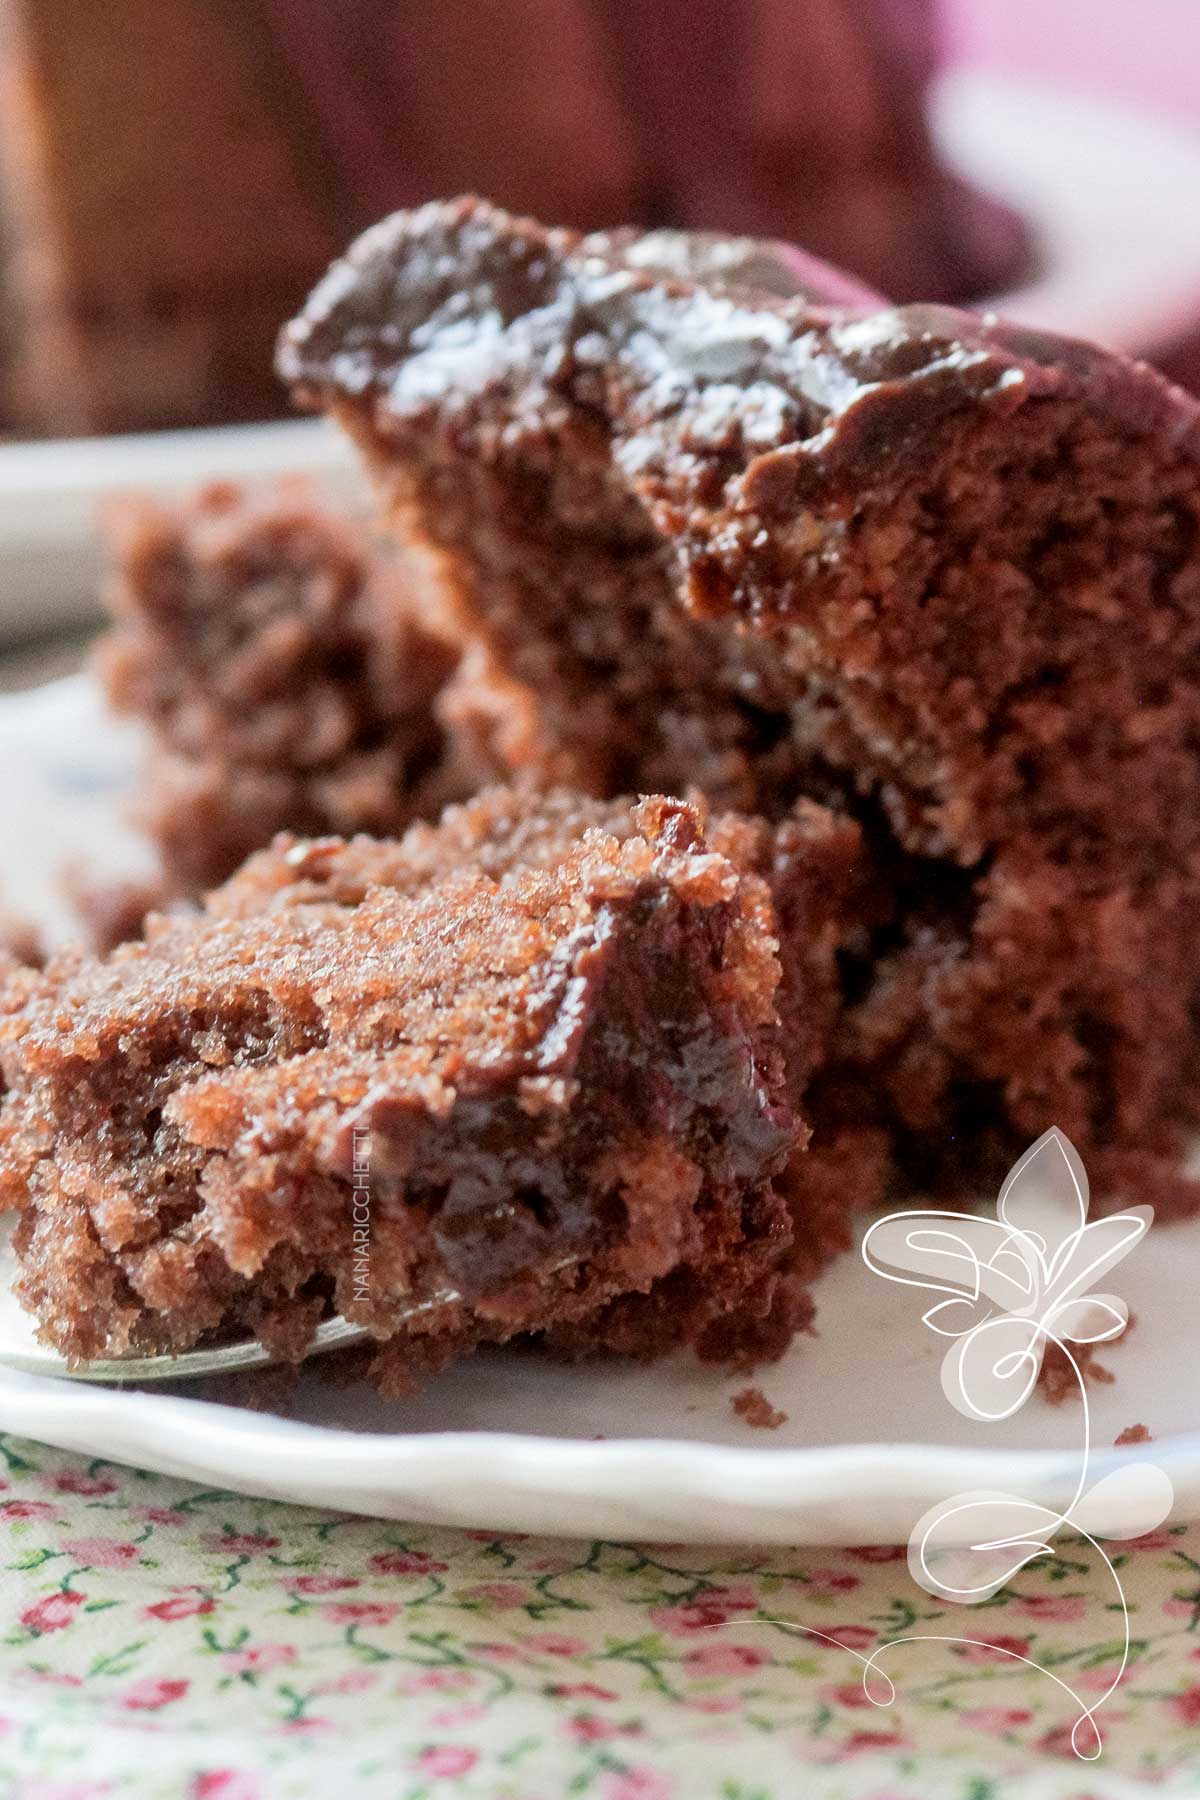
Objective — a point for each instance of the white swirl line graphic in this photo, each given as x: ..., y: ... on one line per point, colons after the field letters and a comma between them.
x: 1012, y: 1286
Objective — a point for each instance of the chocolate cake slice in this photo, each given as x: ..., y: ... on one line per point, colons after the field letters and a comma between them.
x: 938, y: 572
x: 824, y: 898
x: 283, y: 666
x: 453, y: 1102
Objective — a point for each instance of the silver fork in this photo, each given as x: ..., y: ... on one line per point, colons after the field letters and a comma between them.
x: 21, y: 1350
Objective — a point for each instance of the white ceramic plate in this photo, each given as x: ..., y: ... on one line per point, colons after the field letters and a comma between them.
x: 1113, y: 195
x: 511, y: 1441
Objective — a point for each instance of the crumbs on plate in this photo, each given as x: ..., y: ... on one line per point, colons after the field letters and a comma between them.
x: 752, y: 1405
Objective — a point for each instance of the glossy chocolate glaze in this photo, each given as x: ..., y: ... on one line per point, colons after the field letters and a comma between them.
x: 441, y: 305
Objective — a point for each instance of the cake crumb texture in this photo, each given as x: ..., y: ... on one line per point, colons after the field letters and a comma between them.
x: 752, y: 1406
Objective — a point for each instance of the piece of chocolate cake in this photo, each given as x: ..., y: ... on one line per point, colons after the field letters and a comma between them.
x: 940, y: 573
x: 824, y: 901
x: 279, y: 659
x: 556, y: 1091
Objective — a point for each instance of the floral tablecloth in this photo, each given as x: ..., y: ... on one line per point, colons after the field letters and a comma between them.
x: 161, y: 1640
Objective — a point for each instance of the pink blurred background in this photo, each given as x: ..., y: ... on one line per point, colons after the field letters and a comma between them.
x: 1147, y: 50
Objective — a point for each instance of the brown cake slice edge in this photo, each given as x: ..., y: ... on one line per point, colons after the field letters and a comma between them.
x: 558, y: 1089
x: 938, y: 572
x: 282, y: 662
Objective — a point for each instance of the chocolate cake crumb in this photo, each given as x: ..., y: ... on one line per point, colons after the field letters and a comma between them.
x: 1132, y: 1434
x: 569, y: 1073
x: 1057, y: 1379
x: 280, y: 661
x: 752, y: 1405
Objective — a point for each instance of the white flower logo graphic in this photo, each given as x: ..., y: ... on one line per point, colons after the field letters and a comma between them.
x: 1011, y: 1286
x: 1014, y: 1283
